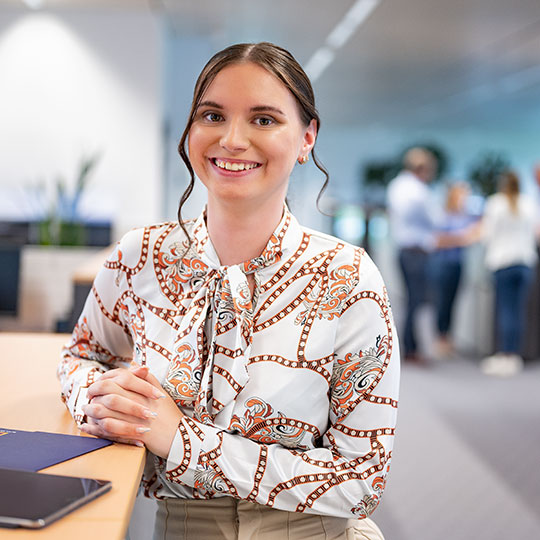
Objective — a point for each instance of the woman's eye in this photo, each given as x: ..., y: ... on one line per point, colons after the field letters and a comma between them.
x: 264, y: 121
x: 212, y: 117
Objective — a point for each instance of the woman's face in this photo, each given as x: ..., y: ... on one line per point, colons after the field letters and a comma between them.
x: 246, y: 137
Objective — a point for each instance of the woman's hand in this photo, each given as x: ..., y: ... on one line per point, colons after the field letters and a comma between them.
x: 120, y: 406
x: 165, y: 423
x: 129, y: 406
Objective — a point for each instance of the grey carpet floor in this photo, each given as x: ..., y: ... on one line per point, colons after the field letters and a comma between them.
x: 467, y: 456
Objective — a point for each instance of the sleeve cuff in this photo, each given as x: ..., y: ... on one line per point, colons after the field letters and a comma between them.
x: 79, y: 397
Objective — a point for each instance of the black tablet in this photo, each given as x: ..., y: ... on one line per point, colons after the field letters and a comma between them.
x: 33, y: 500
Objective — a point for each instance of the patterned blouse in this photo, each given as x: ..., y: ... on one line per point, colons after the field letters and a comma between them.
x: 289, y: 396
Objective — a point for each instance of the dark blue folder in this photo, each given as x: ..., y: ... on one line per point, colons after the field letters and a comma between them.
x: 36, y: 450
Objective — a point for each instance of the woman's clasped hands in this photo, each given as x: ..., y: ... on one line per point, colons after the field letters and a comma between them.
x: 129, y: 405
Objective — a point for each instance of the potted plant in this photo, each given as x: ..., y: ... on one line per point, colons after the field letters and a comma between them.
x: 63, y: 226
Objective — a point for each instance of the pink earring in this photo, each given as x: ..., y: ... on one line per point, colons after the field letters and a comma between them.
x: 303, y: 160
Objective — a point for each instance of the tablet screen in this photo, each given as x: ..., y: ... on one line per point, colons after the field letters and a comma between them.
x: 31, y: 499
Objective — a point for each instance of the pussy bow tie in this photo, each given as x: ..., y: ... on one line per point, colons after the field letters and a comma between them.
x: 213, y: 342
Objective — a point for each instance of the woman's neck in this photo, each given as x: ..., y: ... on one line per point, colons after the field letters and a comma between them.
x: 239, y: 235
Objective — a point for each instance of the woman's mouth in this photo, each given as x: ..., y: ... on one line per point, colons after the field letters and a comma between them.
x: 234, y: 166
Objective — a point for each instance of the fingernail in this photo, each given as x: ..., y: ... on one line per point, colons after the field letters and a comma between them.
x: 149, y: 414
x: 158, y: 394
x: 139, y: 444
x: 142, y: 430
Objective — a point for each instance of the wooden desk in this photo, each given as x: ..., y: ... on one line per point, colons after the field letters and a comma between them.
x: 30, y: 400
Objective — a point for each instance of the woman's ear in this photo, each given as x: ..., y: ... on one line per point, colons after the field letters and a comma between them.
x: 310, y: 136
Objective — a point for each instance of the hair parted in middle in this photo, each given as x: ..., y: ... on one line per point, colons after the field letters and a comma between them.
x: 277, y: 61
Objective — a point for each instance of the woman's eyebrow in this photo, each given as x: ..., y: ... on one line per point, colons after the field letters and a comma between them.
x: 265, y: 108
x: 212, y: 104
x: 257, y: 108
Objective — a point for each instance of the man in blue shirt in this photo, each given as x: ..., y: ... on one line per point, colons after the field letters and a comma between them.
x: 413, y: 221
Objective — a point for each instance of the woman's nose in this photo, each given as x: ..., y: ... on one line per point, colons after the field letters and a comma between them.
x: 234, y: 137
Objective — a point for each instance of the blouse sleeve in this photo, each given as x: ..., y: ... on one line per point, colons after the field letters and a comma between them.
x: 100, y: 340
x: 345, y: 475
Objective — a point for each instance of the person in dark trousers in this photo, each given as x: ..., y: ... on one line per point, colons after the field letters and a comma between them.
x: 413, y: 223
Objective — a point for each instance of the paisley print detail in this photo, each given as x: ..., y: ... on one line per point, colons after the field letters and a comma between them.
x: 225, y: 309
x: 341, y: 281
x: 209, y: 481
x: 270, y: 255
x: 256, y: 409
x: 84, y: 345
x: 134, y: 318
x: 242, y: 301
x: 180, y: 269
x: 355, y: 373
x: 366, y: 506
x: 254, y: 425
x: 184, y: 376
x: 201, y: 414
x: 369, y: 502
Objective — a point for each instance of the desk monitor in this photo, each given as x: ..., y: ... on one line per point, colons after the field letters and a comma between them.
x: 33, y: 500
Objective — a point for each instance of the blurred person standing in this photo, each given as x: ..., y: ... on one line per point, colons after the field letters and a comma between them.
x: 413, y: 225
x: 509, y: 227
x: 447, y: 261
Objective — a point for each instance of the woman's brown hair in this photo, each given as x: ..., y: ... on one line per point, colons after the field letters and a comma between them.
x: 277, y: 61
x: 509, y: 185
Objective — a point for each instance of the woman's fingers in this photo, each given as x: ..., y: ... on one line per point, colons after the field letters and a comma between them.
x: 144, y: 373
x: 153, y: 381
x: 112, y: 404
x: 95, y: 430
x: 114, y: 428
x: 123, y: 381
x: 139, y: 371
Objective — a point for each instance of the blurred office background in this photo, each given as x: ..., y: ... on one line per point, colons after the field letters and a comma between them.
x: 93, y: 99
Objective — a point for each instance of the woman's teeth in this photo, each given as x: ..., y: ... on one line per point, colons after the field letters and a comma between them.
x: 234, y: 166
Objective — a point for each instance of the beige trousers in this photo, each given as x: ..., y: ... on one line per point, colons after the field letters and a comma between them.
x: 230, y: 519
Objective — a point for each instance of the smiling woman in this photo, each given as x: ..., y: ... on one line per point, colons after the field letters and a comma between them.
x: 255, y: 359
x: 244, y: 142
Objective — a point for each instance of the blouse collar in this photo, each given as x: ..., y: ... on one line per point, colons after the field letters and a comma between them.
x: 273, y: 252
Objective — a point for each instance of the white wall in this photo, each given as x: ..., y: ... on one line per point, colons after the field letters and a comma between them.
x: 73, y: 83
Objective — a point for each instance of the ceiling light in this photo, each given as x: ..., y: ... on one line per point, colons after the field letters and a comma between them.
x: 324, y: 56
x: 358, y: 13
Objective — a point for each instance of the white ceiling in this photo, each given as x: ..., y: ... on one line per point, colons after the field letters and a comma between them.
x: 429, y: 62
x: 450, y: 63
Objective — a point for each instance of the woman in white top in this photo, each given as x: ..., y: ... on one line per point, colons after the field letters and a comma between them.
x: 255, y: 359
x: 510, y: 223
